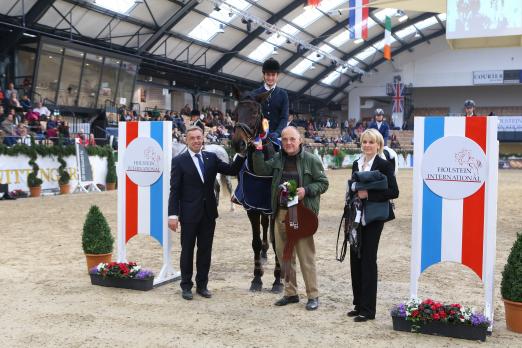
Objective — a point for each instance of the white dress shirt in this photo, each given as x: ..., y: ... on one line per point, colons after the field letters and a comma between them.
x: 268, y: 88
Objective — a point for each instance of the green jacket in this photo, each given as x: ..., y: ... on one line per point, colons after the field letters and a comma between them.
x: 309, y: 168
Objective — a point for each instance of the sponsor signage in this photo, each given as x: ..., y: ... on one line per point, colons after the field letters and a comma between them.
x: 144, y: 161
x: 454, y: 167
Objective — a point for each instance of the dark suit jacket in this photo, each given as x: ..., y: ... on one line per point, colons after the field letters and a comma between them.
x: 275, y: 109
x: 189, y: 197
x: 385, y: 130
x: 392, y: 192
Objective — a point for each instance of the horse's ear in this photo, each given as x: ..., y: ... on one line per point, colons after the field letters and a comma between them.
x: 260, y: 98
x: 236, y: 93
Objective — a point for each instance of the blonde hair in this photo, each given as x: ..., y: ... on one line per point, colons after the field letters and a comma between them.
x: 375, y: 135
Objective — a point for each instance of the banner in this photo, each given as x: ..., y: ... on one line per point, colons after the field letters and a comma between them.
x: 14, y: 171
x: 455, y: 179
x: 510, y: 124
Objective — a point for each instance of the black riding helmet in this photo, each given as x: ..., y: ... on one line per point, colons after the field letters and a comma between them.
x: 271, y: 65
x: 469, y: 104
x: 378, y: 112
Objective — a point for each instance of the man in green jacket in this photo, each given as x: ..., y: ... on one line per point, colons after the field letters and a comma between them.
x: 294, y: 163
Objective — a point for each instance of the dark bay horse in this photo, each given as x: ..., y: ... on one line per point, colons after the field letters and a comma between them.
x: 254, y: 192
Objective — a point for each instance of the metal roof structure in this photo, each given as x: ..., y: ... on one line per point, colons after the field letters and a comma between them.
x: 208, y: 43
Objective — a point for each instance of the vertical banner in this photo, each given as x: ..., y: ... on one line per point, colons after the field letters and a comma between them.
x: 455, y: 178
x: 144, y: 160
x: 84, y: 165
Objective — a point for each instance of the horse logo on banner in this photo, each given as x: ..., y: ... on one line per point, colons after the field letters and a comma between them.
x: 455, y: 177
x: 144, y: 159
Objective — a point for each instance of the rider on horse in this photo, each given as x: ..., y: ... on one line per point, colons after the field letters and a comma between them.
x: 275, y: 106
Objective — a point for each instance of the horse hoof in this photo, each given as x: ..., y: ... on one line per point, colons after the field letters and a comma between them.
x: 256, y: 286
x: 277, y: 288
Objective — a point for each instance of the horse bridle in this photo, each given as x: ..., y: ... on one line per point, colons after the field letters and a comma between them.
x: 251, y: 133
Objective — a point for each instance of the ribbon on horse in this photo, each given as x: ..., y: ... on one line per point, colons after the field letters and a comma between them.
x: 300, y: 222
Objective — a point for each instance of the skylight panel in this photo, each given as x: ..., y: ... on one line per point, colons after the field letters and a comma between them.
x: 262, y: 51
x: 381, y: 15
x: 406, y: 31
x: 334, y: 75
x: 120, y: 6
x: 340, y: 39
x: 442, y: 17
x: 426, y: 23
x: 366, y: 53
x: 209, y: 27
x: 303, y: 66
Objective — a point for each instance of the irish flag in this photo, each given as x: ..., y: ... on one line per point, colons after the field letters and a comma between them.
x: 387, y: 39
x: 358, y: 19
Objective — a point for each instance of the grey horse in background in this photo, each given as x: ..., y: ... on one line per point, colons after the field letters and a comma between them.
x: 221, y: 153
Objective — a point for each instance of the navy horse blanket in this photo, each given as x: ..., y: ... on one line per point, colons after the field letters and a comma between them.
x: 253, y: 191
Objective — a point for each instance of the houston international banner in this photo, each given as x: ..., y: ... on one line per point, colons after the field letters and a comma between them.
x: 455, y: 177
x: 144, y: 159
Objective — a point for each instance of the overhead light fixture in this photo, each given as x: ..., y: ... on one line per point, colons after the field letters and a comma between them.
x: 150, y: 78
x: 312, y: 67
x: 173, y: 82
x: 268, y: 32
x: 274, y: 52
x: 318, y: 55
x: 216, y: 8
x: 399, y: 13
x: 221, y: 28
x: 403, y: 18
x: 213, y: 91
x: 288, y: 41
x: 358, y: 41
x: 231, y: 14
x: 417, y: 34
x: 28, y: 35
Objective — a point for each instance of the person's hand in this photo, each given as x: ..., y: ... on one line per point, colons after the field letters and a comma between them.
x: 258, y: 144
x: 273, y: 135
x: 362, y: 194
x: 173, y: 224
x: 300, y: 193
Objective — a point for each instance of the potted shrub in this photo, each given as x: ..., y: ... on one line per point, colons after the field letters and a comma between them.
x: 122, y: 275
x: 33, y: 181
x: 511, y: 287
x: 434, y: 318
x: 65, y: 177
x: 97, y: 240
x: 111, y: 177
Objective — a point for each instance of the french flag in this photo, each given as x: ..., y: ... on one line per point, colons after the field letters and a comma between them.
x: 143, y: 209
x: 358, y: 19
x: 458, y: 230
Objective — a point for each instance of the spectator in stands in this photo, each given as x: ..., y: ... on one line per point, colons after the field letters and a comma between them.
x: 14, y: 102
x: 2, y: 136
x: 63, y: 130
x: 9, y: 128
x: 195, y: 119
x: 92, y: 140
x: 10, y: 90
x: 185, y: 111
x: 30, y: 115
x: 381, y: 125
x: 469, y: 108
x: 26, y: 103
x: 42, y: 110
x: 23, y: 136
x: 155, y: 112
x: 394, y: 142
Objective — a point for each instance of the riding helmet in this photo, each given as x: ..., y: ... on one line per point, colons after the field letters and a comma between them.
x: 379, y: 111
x: 271, y: 65
x: 469, y: 104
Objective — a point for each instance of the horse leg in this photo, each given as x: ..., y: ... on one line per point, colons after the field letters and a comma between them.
x: 257, y: 283
x: 265, y: 224
x: 277, y: 285
x: 217, y: 189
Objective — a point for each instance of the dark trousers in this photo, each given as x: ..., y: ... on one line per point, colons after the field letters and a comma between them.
x: 364, y: 270
x: 201, y: 233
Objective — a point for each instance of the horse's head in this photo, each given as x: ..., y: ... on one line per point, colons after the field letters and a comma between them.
x: 248, y: 117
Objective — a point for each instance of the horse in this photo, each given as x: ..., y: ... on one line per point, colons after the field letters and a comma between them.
x: 249, y: 122
x: 221, y: 153
x: 465, y: 158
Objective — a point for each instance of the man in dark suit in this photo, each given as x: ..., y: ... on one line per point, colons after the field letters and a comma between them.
x: 275, y: 107
x: 381, y: 125
x: 192, y: 203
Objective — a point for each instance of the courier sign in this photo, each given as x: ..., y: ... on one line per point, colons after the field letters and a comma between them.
x: 454, y: 167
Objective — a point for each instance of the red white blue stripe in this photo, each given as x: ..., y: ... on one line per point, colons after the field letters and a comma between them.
x: 358, y: 19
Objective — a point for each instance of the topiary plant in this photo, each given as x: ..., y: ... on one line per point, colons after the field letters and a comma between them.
x: 96, y: 237
x: 32, y: 178
x: 111, y: 169
x: 511, y: 286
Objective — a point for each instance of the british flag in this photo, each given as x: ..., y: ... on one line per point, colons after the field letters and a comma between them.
x: 398, y: 97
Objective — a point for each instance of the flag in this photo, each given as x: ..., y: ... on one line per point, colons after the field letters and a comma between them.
x: 387, y: 38
x: 358, y: 19
x: 398, y: 98
x: 314, y: 3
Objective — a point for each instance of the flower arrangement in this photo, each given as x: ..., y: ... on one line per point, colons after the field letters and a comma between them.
x: 289, y: 192
x: 420, y: 313
x: 122, y: 270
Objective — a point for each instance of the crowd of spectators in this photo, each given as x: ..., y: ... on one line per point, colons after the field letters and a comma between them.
x: 21, y: 119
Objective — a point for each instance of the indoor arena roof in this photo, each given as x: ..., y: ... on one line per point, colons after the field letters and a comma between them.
x: 229, y: 38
